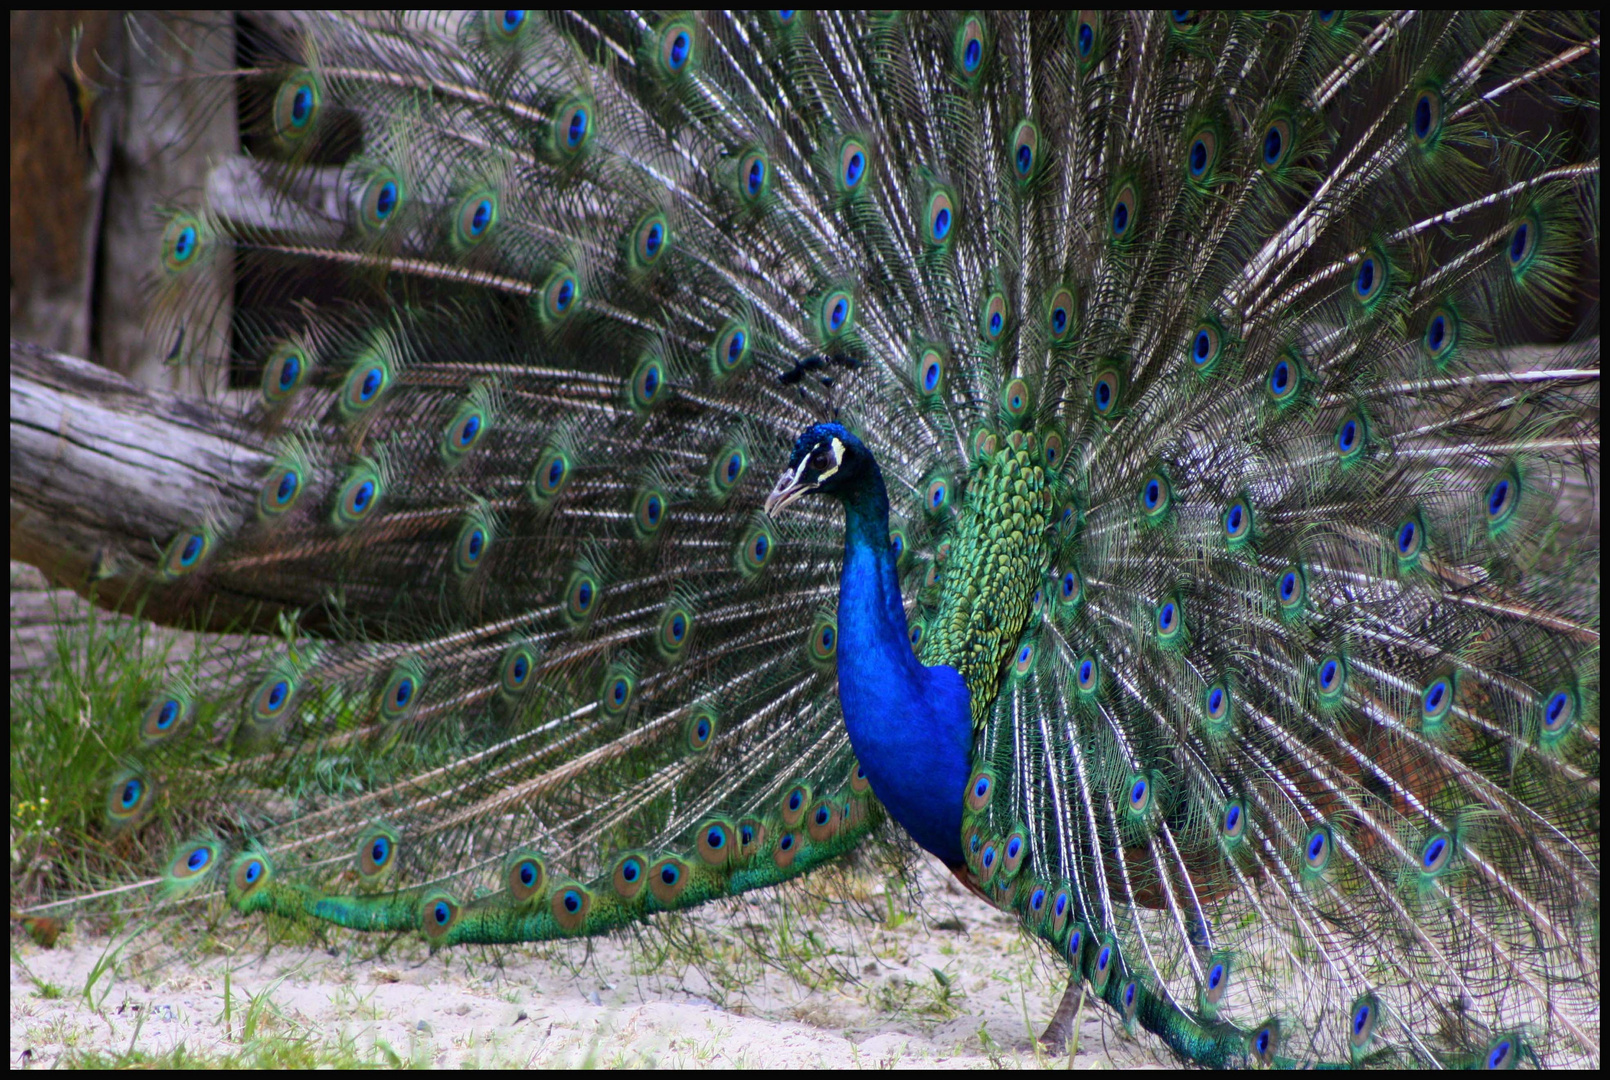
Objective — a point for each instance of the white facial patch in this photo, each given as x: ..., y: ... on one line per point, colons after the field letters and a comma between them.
x: 838, y: 459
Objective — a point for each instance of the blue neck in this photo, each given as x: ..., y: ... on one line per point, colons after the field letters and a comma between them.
x: 911, y: 726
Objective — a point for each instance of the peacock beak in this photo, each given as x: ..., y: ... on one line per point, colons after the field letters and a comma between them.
x: 790, y: 486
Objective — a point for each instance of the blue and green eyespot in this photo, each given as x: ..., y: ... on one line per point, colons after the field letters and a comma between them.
x: 247, y: 874
x: 1156, y: 496
x: 296, y: 107
x: 281, y: 488
x: 1409, y: 539
x: 285, y: 371
x: 1371, y: 276
x: 378, y: 852
x: 401, y: 694
x: 1285, y: 379
x: 183, y: 242
x: 1501, y: 500
x: 507, y: 26
x: 1052, y: 450
x: 129, y: 797
x: 187, y: 552
x: 1059, y: 315
x: 561, y: 295
x: 970, y: 49
x: 1352, y: 437
x: 1441, y: 336
x: 836, y: 314
x: 823, y: 643
x: 677, y: 51
x: 1238, y: 523
x: 581, y: 597
x: 1107, y: 391
x: 515, y: 670
x: 754, y: 177
x: 1123, y: 214
x: 1275, y: 144
x: 381, y: 198
x: 899, y: 545
x: 727, y: 468
x: 755, y: 549
x: 701, y: 729
x: 648, y: 512
x: 572, y: 127
x: 716, y: 842
x: 169, y: 713
x: 731, y: 348
x: 570, y: 903
x: 466, y: 429
x: 1202, y: 156
x: 854, y: 162
x: 1437, y: 700
x: 1087, y: 675
x: 1524, y: 240
x: 676, y: 626
x: 1330, y: 679
x: 476, y: 218
x: 358, y: 496
x: 1206, y: 346
x: 1318, y: 846
x: 1084, y: 29
x: 473, y: 542
x: 1025, y: 152
x: 1264, y: 1043
x: 368, y: 378
x: 1015, y: 399
x: 1558, y: 712
x: 1291, y: 591
x: 930, y: 372
x: 650, y: 240
x: 1169, y: 622
x: 192, y: 863
x: 1437, y: 853
x: 273, y: 698
x: 550, y: 475
x: 992, y: 317
x: 1215, y: 983
x: 616, y: 693
x: 1361, y: 1024
x: 939, y: 218
x: 1425, y: 117
x: 1070, y: 589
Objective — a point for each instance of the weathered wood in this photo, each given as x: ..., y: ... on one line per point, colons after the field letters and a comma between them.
x: 105, y: 472
x: 45, y: 621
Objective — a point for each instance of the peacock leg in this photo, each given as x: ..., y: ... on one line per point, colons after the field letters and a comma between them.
x: 1059, y: 1032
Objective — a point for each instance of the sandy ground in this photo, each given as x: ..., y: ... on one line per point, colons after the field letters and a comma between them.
x: 615, y: 1003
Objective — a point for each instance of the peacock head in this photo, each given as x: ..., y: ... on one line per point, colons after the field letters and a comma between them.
x: 826, y: 458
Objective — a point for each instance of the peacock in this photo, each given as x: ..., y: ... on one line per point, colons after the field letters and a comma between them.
x: 1109, y: 449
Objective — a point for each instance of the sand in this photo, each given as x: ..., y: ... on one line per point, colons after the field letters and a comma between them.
x: 351, y: 1000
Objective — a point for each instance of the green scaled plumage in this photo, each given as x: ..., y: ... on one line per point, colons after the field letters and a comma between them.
x: 1193, y: 351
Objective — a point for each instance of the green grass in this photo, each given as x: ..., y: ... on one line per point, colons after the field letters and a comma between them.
x: 72, y: 721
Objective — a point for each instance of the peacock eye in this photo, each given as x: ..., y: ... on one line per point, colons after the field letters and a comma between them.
x: 821, y: 460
